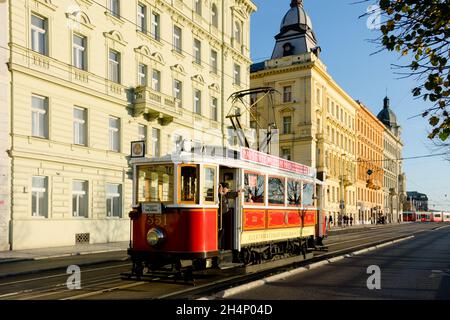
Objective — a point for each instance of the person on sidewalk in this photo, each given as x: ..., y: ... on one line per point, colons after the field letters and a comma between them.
x: 330, y: 221
x: 351, y: 221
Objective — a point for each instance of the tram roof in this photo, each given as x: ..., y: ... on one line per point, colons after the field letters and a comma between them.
x: 244, y: 158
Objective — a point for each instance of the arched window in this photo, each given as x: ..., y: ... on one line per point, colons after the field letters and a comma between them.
x: 237, y: 31
x: 214, y: 16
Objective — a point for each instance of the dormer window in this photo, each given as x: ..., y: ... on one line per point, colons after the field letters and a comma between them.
x: 288, y: 49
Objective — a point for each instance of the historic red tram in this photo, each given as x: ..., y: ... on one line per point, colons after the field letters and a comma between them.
x: 176, y: 216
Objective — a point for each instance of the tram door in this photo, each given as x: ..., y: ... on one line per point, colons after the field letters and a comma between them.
x: 229, y: 176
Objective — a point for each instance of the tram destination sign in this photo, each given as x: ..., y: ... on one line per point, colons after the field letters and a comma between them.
x: 273, y: 161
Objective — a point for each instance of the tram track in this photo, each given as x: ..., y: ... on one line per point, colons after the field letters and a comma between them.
x: 104, y: 282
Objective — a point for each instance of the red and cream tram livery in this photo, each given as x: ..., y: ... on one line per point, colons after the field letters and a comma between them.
x: 409, y: 216
x: 177, y: 219
x: 424, y: 216
x: 446, y: 216
x: 436, y: 217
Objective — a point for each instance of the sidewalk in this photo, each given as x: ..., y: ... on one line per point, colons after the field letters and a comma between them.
x: 360, y: 227
x: 58, y: 252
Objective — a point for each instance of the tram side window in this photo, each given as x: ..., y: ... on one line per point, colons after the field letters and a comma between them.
x: 308, y: 194
x: 155, y: 183
x: 209, y: 192
x: 254, y: 188
x: 276, y: 190
x: 294, y: 189
x: 189, y: 184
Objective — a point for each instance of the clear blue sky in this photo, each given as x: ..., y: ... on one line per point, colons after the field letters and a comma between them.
x: 346, y: 51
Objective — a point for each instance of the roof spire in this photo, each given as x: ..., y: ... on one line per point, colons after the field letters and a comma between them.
x: 386, y: 103
x: 296, y: 3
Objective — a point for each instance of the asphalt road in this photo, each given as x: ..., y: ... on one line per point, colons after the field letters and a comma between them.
x: 103, y: 280
x: 414, y: 269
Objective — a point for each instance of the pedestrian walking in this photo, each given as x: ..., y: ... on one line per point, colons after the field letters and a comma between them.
x: 330, y: 221
x: 351, y: 220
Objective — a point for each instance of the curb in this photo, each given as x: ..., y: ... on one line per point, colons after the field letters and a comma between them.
x: 83, y: 264
x: 255, y: 284
x: 62, y: 255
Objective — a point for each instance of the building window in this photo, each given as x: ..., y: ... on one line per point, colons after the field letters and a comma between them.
x: 237, y: 74
x: 287, y: 125
x: 114, y: 66
x: 156, y: 140
x: 237, y: 32
x: 142, y: 74
x: 198, y: 7
x: 80, y: 198
x: 319, y: 97
x: 39, y: 197
x: 177, y: 142
x: 114, y: 200
x: 178, y: 90
x: 79, y: 52
x: 214, y: 16
x: 39, y: 117
x: 114, y: 134
x: 177, y: 38
x: 287, y: 94
x: 214, y: 61
x: 142, y: 18
x: 197, y: 51
x: 39, y: 35
x: 142, y: 133
x: 155, y: 26
x: 198, y: 102
x: 114, y: 7
x: 156, y: 80
x: 80, y: 126
x: 286, y: 153
x: 214, y: 109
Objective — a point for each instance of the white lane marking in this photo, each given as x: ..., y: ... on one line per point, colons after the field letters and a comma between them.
x: 104, y: 291
x: 62, y: 275
x: 10, y: 294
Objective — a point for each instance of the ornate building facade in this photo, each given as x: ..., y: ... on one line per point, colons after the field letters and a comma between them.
x: 315, y: 117
x: 87, y: 78
x: 394, y: 183
x: 370, y: 143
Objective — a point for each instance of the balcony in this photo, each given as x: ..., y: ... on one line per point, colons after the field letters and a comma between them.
x: 156, y: 105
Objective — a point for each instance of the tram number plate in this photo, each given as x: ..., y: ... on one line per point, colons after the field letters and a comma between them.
x: 151, y: 208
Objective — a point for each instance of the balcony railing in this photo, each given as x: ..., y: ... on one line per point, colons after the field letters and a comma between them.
x: 156, y: 105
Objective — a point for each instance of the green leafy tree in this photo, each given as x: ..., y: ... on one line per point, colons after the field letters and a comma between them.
x: 421, y: 29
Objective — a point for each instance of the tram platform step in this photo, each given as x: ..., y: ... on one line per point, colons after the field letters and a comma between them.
x: 225, y: 257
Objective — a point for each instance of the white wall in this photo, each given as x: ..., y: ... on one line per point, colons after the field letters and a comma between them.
x: 4, y: 129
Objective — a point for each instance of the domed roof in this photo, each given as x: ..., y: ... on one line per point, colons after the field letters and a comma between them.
x: 387, y: 116
x: 296, y: 17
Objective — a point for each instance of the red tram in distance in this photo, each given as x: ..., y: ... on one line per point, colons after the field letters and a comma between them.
x: 446, y: 216
x: 424, y: 216
x: 409, y: 216
x: 176, y: 217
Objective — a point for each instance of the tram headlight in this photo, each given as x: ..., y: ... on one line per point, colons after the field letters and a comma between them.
x: 155, y: 236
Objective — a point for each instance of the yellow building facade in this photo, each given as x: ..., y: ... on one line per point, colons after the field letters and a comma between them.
x: 5, y: 140
x: 370, y: 151
x: 315, y: 117
x: 87, y: 78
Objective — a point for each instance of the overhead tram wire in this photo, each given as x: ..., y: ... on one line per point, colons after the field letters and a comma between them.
x: 405, y: 158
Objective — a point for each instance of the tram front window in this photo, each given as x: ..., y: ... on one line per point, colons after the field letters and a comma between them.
x: 209, y: 192
x: 189, y: 183
x: 294, y: 189
x: 155, y: 183
x: 254, y: 188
